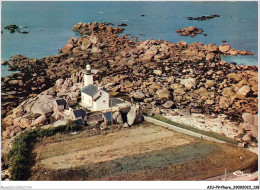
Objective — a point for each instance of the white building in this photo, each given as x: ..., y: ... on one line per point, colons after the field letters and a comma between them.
x: 93, y: 97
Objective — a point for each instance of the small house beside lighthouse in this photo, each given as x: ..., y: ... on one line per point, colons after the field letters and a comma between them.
x: 93, y: 97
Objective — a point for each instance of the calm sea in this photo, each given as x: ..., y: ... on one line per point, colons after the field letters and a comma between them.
x: 49, y: 24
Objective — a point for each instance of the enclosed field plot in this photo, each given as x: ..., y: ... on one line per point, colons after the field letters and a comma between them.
x: 145, y: 152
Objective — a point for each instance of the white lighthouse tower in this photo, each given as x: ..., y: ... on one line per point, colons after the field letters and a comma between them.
x: 88, y: 76
x: 93, y: 97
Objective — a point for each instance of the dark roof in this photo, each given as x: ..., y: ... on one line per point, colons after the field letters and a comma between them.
x: 107, y: 115
x: 61, y: 102
x: 89, y: 90
x: 79, y: 122
x: 79, y: 113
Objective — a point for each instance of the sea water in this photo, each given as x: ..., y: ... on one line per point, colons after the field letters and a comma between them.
x: 49, y: 24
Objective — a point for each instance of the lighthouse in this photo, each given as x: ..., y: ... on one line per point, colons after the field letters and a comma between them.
x: 88, y: 76
x: 93, y: 97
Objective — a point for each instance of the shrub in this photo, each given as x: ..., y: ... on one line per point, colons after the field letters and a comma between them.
x: 19, y: 154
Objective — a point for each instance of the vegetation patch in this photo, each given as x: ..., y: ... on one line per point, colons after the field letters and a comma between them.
x: 187, y: 127
x: 19, y: 154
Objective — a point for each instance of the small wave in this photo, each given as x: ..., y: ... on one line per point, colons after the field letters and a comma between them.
x: 234, y: 18
x: 101, y: 12
x: 125, y: 20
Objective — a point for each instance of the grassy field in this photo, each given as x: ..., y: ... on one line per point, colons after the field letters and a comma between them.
x: 144, y: 152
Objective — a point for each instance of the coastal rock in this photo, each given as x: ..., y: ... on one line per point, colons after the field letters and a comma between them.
x: 13, y: 82
x: 39, y: 121
x: 189, y: 83
x: 118, y: 117
x: 209, y: 83
x: 25, y: 123
x: 138, y: 95
x: 209, y: 102
x: 211, y: 47
x: 224, y: 48
x: 134, y: 116
x: 122, y: 24
x: 77, y: 26
x: 232, y: 52
x: 43, y: 105
x: 84, y: 47
x: 15, y: 131
x: 148, y: 100
x: 191, y: 30
x: 148, y: 55
x: 72, y: 40
x: 246, y: 137
x: 235, y: 76
x: 168, y: 104
x: 256, y: 121
x: 243, y: 92
x: 248, y: 118
x: 96, y: 49
x: 59, y: 83
x: 16, y: 121
x: 178, y: 89
x: 7, y: 121
x: 157, y: 72
x: 67, y: 48
x: 224, y: 102
x: 229, y: 93
x: 202, y: 18
x: 246, y: 126
x: 6, y: 134
x: 155, y: 86
x: 4, y: 62
x: 163, y: 93
x: 210, y: 56
x: 59, y: 123
x: 131, y: 115
x: 254, y: 132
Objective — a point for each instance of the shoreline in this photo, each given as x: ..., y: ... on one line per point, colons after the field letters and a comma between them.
x: 178, y: 79
x: 46, y: 72
x: 228, y: 58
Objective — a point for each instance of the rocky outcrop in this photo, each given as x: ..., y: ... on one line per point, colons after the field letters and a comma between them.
x: 134, y: 116
x: 138, y: 95
x: 250, y: 126
x: 190, y: 31
x: 118, y: 117
x: 201, y: 18
x: 39, y: 121
x: 168, y: 104
x: 193, y: 76
x: 36, y: 111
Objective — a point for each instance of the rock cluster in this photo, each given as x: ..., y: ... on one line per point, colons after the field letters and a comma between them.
x: 201, y: 18
x: 190, y: 31
x: 227, y: 50
x: 153, y: 72
x: 14, y: 28
x: 249, y: 126
x: 37, y: 111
